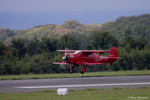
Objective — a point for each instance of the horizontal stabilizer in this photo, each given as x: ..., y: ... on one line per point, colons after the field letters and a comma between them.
x: 114, y: 58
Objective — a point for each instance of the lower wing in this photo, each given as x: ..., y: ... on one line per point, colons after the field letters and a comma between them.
x: 84, y: 63
x: 94, y: 64
x: 59, y: 63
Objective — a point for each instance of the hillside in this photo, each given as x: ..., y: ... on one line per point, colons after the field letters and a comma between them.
x: 135, y: 26
x: 34, y: 50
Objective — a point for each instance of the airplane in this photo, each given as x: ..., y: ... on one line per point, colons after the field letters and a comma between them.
x: 86, y: 58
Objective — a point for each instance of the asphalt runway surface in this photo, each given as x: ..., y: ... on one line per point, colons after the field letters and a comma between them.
x: 30, y: 85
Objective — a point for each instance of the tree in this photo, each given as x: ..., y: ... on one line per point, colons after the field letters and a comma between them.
x: 103, y: 40
x: 71, y: 24
x: 44, y: 45
x: 9, y: 32
x: 31, y: 47
x: 89, y: 47
x: 6, y: 33
x: 69, y: 42
x: 129, y: 41
x: 128, y: 31
x: 140, y: 29
x: 147, y: 36
x: 140, y: 42
x: 47, y: 45
x: 19, y: 45
x: 54, y: 42
x: 2, y: 48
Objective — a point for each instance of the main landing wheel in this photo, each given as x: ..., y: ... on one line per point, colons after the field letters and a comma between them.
x: 82, y: 72
x: 70, y: 71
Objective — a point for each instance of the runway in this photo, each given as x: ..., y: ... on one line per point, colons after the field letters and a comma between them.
x: 30, y: 85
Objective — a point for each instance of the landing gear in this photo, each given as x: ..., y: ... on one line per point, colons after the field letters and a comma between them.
x: 111, y: 64
x: 70, y: 69
x: 82, y: 72
x: 83, y: 69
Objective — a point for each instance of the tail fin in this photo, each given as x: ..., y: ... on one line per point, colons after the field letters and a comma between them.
x: 114, y: 52
x: 113, y: 56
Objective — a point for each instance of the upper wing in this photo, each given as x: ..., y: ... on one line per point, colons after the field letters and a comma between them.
x: 87, y: 51
x: 95, y: 51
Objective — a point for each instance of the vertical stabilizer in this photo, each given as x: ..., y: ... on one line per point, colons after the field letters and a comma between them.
x: 113, y: 56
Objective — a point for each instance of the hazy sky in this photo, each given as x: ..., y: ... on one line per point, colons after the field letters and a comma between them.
x: 76, y: 5
x: 24, y: 14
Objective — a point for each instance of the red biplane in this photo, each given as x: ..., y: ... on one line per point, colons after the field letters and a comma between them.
x: 87, y: 58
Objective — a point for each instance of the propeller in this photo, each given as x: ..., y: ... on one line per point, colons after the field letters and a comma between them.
x: 65, y: 58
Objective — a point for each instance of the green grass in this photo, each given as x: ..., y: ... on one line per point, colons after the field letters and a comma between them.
x: 67, y: 75
x: 115, y: 93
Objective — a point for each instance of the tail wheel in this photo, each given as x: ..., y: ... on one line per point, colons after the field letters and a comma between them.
x: 70, y: 70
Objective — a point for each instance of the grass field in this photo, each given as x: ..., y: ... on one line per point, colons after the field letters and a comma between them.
x: 115, y: 93
x: 67, y: 75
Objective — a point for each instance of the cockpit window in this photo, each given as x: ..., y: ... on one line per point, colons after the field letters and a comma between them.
x: 83, y: 54
x: 78, y: 52
x: 88, y: 54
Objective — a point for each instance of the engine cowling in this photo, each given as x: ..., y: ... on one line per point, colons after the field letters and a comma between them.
x: 65, y: 58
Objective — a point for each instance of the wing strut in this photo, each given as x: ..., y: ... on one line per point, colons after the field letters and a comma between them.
x: 99, y: 56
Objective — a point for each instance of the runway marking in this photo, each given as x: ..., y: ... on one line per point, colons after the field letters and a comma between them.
x: 83, y: 85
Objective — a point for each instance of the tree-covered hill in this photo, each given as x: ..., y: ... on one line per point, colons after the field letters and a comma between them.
x: 135, y: 26
x: 34, y: 50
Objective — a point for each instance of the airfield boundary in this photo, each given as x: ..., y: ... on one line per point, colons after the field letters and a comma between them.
x: 75, y: 75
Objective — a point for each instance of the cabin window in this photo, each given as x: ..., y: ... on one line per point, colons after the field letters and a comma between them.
x: 83, y: 54
x: 79, y: 53
x: 88, y: 54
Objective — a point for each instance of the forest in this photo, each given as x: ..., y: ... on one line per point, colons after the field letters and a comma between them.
x: 34, y: 50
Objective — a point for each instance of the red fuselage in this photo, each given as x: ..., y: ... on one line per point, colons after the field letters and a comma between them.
x: 79, y: 57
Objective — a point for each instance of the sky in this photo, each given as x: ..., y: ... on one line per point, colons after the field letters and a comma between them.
x: 24, y: 14
x: 78, y: 5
